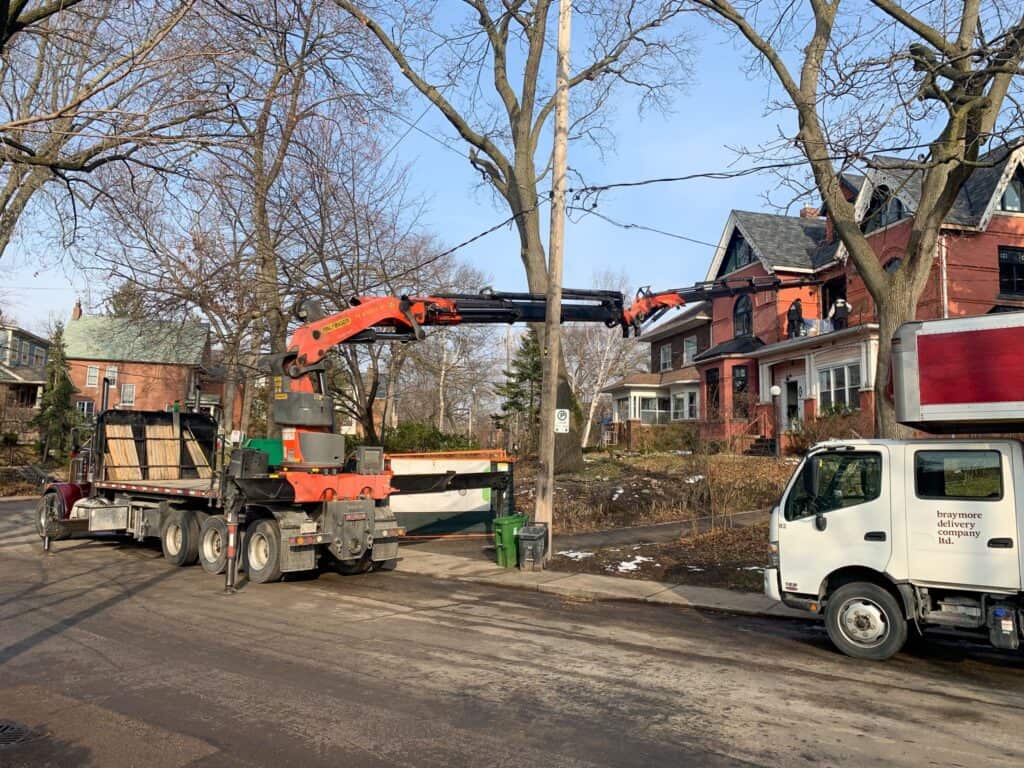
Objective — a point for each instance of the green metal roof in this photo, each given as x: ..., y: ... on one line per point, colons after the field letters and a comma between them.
x: 135, y: 341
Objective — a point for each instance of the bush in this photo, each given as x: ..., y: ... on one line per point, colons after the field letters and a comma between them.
x: 417, y: 437
x: 667, y: 437
x: 834, y: 424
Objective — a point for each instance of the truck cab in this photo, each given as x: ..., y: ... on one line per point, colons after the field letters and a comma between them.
x: 882, y: 535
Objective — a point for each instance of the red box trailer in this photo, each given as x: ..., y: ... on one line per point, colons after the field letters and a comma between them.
x: 964, y: 375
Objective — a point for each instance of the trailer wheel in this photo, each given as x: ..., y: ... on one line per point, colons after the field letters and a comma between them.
x: 386, y: 565
x: 865, y: 621
x: 263, y: 551
x: 213, y: 544
x: 354, y: 567
x: 50, y: 517
x: 179, y: 537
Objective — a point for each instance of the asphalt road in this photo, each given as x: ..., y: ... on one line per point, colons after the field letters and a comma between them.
x: 116, y: 659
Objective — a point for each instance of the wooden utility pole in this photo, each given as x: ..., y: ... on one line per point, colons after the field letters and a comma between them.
x: 543, y: 511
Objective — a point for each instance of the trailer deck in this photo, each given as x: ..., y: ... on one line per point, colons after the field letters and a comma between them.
x: 189, y: 487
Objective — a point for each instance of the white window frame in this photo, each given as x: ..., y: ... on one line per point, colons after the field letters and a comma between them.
x: 127, y: 387
x: 827, y: 386
x: 92, y: 376
x: 665, y: 360
x: 25, y: 352
x: 656, y: 415
x: 112, y: 375
x: 86, y: 407
x: 689, y: 349
x: 687, y: 409
x: 618, y: 410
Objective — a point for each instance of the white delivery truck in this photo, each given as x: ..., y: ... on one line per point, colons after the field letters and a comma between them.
x: 885, y: 537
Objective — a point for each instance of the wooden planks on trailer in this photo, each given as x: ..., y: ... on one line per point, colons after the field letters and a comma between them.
x: 122, y: 457
x: 198, y: 456
x: 163, y: 452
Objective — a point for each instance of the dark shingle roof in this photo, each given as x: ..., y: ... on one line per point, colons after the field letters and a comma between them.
x: 137, y: 341
x: 974, y: 197
x: 741, y: 345
x: 786, y: 241
x: 22, y: 375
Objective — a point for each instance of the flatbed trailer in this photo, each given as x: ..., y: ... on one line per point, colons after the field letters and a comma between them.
x: 192, y: 500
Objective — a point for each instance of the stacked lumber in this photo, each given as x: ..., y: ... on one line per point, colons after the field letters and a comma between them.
x: 122, y: 457
x: 195, y: 451
x: 163, y: 452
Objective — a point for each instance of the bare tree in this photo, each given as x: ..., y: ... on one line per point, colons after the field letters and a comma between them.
x: 96, y: 84
x: 489, y: 74
x: 933, y: 84
x: 595, y: 355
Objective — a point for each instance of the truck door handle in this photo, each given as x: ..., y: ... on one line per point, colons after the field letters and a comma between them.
x: 1001, y: 543
x: 874, y: 536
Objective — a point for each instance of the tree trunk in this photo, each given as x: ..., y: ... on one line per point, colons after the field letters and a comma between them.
x: 897, y: 306
x: 440, y: 387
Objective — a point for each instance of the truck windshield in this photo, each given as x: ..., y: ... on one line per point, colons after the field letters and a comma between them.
x: 830, y: 481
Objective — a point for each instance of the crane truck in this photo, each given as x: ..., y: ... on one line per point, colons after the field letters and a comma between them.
x: 156, y: 474
x: 888, y: 537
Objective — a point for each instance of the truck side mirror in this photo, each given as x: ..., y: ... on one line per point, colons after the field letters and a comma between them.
x: 820, y: 521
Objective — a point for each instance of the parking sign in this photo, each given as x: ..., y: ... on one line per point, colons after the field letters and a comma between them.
x: 561, y: 421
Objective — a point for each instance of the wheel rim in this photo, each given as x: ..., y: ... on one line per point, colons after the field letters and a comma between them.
x: 172, y: 539
x: 213, y: 545
x: 863, y: 622
x: 259, y: 551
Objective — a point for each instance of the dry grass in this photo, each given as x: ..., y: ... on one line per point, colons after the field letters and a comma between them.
x: 613, y: 492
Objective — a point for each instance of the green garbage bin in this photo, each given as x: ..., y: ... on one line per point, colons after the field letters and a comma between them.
x: 505, y: 529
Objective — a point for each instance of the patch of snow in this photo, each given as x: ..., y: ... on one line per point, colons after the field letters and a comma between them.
x: 627, y: 566
x: 694, y: 569
x: 751, y: 568
x: 694, y: 479
x: 574, y: 555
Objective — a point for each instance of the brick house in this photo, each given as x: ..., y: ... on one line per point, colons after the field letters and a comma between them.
x: 979, y: 268
x: 23, y: 358
x: 150, y: 364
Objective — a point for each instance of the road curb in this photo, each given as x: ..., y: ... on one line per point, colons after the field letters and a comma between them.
x: 17, y: 498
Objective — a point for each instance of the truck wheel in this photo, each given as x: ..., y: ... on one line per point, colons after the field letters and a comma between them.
x: 263, y: 551
x: 865, y: 621
x: 213, y: 544
x: 179, y: 537
x: 354, y: 567
x: 50, y: 516
x: 386, y: 565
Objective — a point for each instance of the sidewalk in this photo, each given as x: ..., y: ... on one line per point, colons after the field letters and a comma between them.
x: 591, y: 587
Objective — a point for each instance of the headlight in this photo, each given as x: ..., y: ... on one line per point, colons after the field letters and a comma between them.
x: 773, y: 554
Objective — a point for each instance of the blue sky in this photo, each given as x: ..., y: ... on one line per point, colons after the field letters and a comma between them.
x: 722, y: 108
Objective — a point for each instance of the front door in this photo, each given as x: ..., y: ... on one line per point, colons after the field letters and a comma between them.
x: 837, y: 513
x: 961, y: 522
x: 792, y: 403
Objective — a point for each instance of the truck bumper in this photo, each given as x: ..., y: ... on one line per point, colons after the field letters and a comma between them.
x: 771, y: 584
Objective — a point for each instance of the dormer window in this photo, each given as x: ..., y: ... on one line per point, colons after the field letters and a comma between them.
x: 884, y: 209
x: 738, y: 254
x: 1013, y: 197
x: 742, y: 317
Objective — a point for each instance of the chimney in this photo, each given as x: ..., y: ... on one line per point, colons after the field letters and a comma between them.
x: 76, y: 313
x: 830, y: 230
x: 808, y: 212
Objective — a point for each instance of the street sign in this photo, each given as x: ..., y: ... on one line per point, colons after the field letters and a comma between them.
x: 561, y: 421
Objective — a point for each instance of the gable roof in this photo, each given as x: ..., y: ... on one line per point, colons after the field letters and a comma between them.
x: 121, y: 339
x: 976, y: 200
x: 779, y: 242
x: 741, y: 345
x: 687, y: 375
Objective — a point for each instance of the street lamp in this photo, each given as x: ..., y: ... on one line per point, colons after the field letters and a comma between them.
x: 776, y: 390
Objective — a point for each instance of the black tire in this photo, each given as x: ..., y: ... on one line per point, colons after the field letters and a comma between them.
x: 353, y: 567
x: 179, y: 537
x: 213, y: 544
x: 263, y: 551
x: 386, y: 565
x: 865, y: 621
x: 50, y: 515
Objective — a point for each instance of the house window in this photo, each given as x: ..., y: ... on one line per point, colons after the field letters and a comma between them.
x: 689, y: 349
x: 838, y: 388
x: 666, y: 357
x: 684, y: 406
x: 742, y: 317
x: 86, y: 408
x: 883, y: 210
x: 112, y: 375
x: 740, y: 388
x: 654, y: 410
x: 711, y: 380
x: 1013, y: 197
x: 622, y: 409
x: 1011, y: 271
x: 26, y: 352
x: 737, y: 254
x: 893, y: 264
x: 92, y: 376
x: 39, y: 358
x: 127, y: 394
